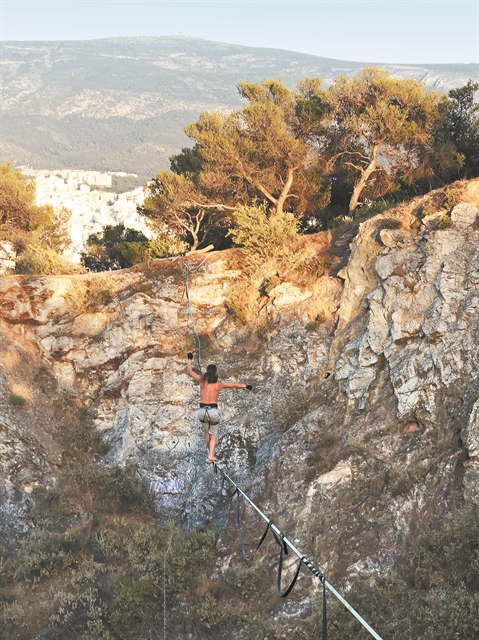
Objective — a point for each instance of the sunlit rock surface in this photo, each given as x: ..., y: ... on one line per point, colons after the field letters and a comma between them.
x: 362, y: 426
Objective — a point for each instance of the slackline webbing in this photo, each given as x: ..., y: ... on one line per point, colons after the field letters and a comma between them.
x: 280, y: 539
x: 283, y: 542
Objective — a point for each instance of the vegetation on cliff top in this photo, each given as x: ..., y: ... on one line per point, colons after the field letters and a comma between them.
x: 117, y: 247
x: 309, y: 154
x: 315, y: 154
x: 35, y: 235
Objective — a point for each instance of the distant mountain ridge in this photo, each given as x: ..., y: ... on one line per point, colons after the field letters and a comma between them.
x: 120, y: 104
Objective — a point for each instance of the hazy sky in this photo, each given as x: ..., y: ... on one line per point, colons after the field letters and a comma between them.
x: 408, y: 31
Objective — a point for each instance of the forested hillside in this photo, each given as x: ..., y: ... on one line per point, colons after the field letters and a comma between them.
x: 121, y: 104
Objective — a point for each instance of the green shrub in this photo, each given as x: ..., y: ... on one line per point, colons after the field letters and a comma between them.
x: 99, y: 293
x: 12, y: 619
x: 428, y: 210
x: 454, y: 194
x: 444, y: 222
x: 132, y: 602
x: 241, y: 299
x: 314, y: 325
x: 45, y: 555
x: 164, y: 245
x: 77, y: 610
x: 249, y: 581
x: 328, y: 439
x: 391, y: 223
x: 114, y: 488
x: 262, y: 236
x: 374, y: 208
x: 17, y: 401
x: 212, y: 611
x: 89, y: 295
x: 39, y: 260
x: 118, y: 247
x: 105, y: 584
x: 341, y: 220
x: 432, y: 593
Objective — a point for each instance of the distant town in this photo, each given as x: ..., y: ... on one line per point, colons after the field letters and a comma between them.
x: 92, y: 207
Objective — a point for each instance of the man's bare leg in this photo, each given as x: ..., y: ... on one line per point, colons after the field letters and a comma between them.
x: 207, y: 438
x: 211, y: 457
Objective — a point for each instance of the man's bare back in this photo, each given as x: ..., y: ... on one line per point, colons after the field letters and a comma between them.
x: 209, y: 392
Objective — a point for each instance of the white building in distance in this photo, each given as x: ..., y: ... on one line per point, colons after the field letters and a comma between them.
x: 92, y: 210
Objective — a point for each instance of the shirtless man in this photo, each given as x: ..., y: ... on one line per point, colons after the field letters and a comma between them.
x: 210, y: 388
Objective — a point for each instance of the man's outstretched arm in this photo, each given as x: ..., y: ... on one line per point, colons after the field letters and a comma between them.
x: 189, y: 367
x: 235, y: 385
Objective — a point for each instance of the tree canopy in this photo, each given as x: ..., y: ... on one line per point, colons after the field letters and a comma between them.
x: 118, y: 247
x: 175, y: 203
x: 296, y: 151
x: 38, y: 234
x: 460, y: 125
x: 379, y: 128
x: 262, y: 152
x: 19, y: 214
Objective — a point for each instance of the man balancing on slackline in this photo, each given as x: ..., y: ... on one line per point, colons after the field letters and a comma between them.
x: 210, y: 388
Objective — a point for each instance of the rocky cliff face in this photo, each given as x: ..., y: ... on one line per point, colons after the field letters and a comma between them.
x: 402, y: 400
x: 363, y: 426
x: 126, y: 361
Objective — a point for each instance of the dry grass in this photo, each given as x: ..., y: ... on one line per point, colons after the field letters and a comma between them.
x: 241, y: 300
x: 302, y: 261
x: 454, y: 194
x: 90, y: 294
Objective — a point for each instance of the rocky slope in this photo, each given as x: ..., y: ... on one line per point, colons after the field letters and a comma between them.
x: 362, y: 430
x: 121, y: 104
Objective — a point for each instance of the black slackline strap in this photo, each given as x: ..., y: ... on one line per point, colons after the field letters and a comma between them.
x: 279, y: 539
x: 264, y: 535
x: 281, y: 543
x: 284, y: 552
x: 220, y: 492
x: 314, y: 570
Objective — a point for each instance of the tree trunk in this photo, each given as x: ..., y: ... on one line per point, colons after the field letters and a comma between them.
x: 363, y: 180
x: 284, y: 192
x: 190, y: 228
x: 195, y: 231
x: 210, y: 247
x: 195, y: 242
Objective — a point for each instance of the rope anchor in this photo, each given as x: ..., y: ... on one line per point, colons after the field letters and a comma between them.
x: 196, y: 340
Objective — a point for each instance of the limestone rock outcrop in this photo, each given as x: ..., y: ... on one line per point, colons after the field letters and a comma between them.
x: 361, y: 425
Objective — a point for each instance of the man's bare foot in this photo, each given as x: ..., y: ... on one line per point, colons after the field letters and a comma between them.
x: 210, y: 460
